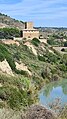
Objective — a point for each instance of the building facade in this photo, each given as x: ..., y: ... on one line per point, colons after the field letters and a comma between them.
x: 29, y: 32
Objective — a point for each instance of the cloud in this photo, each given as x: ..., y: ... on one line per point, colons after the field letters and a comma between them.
x: 42, y: 10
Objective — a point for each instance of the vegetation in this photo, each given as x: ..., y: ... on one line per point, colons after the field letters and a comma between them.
x: 63, y: 114
x: 35, y: 42
x: 57, y: 39
x: 36, y: 64
x: 17, y: 91
x: 49, y: 65
x: 5, y: 54
x: 9, y: 33
x: 9, y: 22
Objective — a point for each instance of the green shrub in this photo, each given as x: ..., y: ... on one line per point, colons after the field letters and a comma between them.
x: 2, y: 105
x: 15, y: 99
x: 9, y: 33
x: 53, y: 40
x: 1, y: 56
x: 52, y: 57
x: 3, y: 94
x: 11, y: 62
x: 41, y: 58
x: 5, y: 54
x: 38, y: 81
x: 17, y: 92
x: 64, y: 59
x: 35, y: 42
x: 17, y: 55
x: 22, y: 72
x: 62, y: 67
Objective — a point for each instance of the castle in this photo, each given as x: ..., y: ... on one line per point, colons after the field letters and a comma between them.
x: 29, y: 32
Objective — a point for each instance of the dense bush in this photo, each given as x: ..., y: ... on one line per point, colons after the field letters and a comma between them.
x: 1, y: 56
x: 16, y: 99
x: 11, y: 62
x: 51, y: 42
x: 49, y: 57
x: 5, y: 54
x: 41, y: 58
x: 22, y: 72
x: 35, y: 42
x: 9, y: 33
x: 52, y: 57
x: 16, y: 91
x: 56, y: 39
x: 62, y: 67
x: 64, y: 59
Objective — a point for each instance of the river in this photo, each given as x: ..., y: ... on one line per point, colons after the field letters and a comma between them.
x: 54, y: 95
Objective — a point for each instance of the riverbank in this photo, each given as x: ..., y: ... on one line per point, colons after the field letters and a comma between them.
x: 32, y: 112
x: 54, y: 95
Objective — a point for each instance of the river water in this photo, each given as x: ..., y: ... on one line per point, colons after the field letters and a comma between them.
x: 54, y: 95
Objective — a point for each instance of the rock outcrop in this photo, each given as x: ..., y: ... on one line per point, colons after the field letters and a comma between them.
x: 5, y: 68
x: 30, y: 46
x: 38, y: 112
x: 23, y: 67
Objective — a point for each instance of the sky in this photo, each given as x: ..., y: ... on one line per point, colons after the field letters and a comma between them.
x: 44, y: 13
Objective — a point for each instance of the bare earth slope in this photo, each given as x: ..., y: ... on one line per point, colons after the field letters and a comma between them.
x: 4, y: 67
x: 6, y: 21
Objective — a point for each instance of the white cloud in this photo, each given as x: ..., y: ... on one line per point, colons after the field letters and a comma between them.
x: 36, y: 9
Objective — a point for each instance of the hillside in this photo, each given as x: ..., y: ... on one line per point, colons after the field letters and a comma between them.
x: 34, y: 59
x: 32, y: 64
x: 7, y: 21
x: 25, y: 67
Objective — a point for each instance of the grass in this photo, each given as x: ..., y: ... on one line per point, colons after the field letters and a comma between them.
x: 63, y: 114
x: 16, y: 91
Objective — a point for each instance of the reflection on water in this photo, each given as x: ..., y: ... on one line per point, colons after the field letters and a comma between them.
x: 54, y: 95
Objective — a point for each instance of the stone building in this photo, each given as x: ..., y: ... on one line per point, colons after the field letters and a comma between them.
x: 29, y: 32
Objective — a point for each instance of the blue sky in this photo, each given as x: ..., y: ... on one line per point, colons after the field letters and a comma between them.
x: 45, y: 13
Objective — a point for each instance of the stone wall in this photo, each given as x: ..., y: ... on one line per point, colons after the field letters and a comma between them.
x: 30, y: 34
